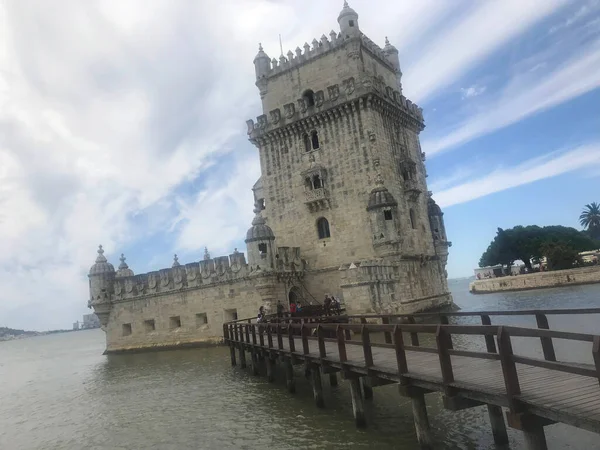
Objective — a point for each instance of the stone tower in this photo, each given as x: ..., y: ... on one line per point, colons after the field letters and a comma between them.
x: 343, y: 174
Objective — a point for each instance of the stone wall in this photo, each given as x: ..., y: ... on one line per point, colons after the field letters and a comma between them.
x: 193, y: 316
x: 584, y: 275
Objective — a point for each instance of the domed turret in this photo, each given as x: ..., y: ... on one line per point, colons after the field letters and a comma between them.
x: 383, y: 213
x: 391, y: 54
x: 124, y: 270
x: 348, y: 20
x: 436, y: 221
x: 262, y: 67
x: 101, y: 265
x: 259, y: 242
x: 380, y: 197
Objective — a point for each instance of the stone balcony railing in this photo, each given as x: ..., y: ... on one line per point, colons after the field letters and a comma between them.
x: 316, y: 199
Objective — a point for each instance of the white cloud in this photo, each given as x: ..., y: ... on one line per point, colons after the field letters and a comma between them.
x: 472, y: 91
x: 527, y: 97
x: 583, y: 157
x: 583, y: 12
x: 461, y: 46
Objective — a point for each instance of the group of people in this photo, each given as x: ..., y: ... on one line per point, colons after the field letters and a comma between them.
x: 331, y: 305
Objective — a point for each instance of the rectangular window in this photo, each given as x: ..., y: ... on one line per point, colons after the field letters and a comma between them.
x: 201, y: 319
x: 149, y: 325
x: 351, y: 23
x: 387, y: 214
x: 126, y: 329
x: 229, y: 315
x: 174, y: 322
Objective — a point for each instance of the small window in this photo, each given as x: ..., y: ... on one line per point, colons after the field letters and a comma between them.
x: 262, y: 249
x: 412, y: 219
x: 309, y: 98
x: 323, y: 228
x: 317, y: 183
x: 351, y: 23
x: 230, y: 314
x: 387, y: 214
x: 308, y: 183
x: 175, y: 322
x: 149, y: 325
x: 314, y: 137
x: 261, y: 203
x: 126, y: 329
x: 201, y: 319
x: 307, y: 143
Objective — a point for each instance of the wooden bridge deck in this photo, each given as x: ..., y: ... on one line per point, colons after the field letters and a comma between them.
x: 536, y: 392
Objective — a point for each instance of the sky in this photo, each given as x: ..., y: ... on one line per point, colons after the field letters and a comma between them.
x: 123, y: 123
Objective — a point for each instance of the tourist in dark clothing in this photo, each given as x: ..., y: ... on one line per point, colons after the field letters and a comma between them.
x: 261, y: 315
x: 279, y: 309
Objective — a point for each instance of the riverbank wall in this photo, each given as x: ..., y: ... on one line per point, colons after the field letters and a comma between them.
x: 540, y: 280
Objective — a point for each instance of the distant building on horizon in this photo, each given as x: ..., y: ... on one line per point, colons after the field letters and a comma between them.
x: 90, y: 321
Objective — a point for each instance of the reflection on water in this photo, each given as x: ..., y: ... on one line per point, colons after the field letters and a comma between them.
x: 60, y: 392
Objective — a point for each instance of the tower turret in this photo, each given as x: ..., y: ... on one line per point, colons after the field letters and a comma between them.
x: 102, y: 277
x: 348, y: 20
x: 391, y: 54
x: 259, y: 243
x: 383, y: 212
x: 262, y: 66
x: 438, y: 230
x: 124, y: 270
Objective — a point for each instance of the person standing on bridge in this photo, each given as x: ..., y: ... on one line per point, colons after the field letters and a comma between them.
x: 261, y: 315
x: 279, y: 309
x: 327, y: 305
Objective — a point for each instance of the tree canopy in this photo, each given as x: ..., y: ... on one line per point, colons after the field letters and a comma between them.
x: 590, y: 219
x: 530, y: 243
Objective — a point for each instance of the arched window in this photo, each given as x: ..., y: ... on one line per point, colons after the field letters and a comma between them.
x: 412, y: 219
x: 262, y: 249
x: 307, y: 142
x: 323, y: 228
x: 317, y: 183
x: 387, y: 214
x: 314, y: 137
x: 308, y: 183
x: 309, y: 98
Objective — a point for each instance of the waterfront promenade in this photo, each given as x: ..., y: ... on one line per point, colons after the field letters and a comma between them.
x: 535, y: 392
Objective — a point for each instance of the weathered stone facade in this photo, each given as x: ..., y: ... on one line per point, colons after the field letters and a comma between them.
x: 343, y: 187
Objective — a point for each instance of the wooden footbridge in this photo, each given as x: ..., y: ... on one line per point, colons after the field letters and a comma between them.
x: 535, y: 392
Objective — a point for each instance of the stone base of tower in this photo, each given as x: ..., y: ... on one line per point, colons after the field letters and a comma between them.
x: 401, y: 287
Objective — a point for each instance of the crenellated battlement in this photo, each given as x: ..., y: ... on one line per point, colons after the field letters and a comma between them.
x: 320, y: 47
x: 204, y: 273
x: 334, y: 96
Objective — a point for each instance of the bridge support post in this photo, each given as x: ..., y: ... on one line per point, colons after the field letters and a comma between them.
x: 367, y: 389
x: 232, y: 351
x: 315, y: 376
x: 532, y: 428
x: 419, y: 408
x: 289, y: 376
x: 498, y: 426
x: 254, y: 362
x: 242, y: 356
x: 333, y: 381
x: 535, y: 438
x: 270, y: 369
x: 357, y: 403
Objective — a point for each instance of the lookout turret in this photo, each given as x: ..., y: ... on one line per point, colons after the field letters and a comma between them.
x: 259, y: 243
x: 102, y: 277
x: 348, y: 20
x: 262, y: 66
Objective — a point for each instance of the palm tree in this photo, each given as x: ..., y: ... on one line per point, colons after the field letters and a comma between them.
x: 590, y: 219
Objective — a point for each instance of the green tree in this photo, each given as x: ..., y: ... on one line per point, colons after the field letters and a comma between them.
x: 590, y: 219
x: 560, y: 255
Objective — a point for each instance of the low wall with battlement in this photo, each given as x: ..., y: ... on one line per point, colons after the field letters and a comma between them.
x: 541, y: 280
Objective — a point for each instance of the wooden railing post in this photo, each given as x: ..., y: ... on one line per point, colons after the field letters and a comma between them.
x: 366, y: 342
x: 291, y: 341
x: 269, y: 336
x: 400, y: 354
x: 235, y: 333
x: 489, y: 340
x: 547, y: 346
x: 304, y: 333
x: 279, y: 337
x: 444, y: 343
x: 320, y: 337
x: 509, y: 368
x: 339, y: 331
x: 596, y: 354
x: 387, y: 335
x: 414, y: 337
x: 444, y: 321
x: 261, y: 334
x: 247, y: 333
x: 253, y: 334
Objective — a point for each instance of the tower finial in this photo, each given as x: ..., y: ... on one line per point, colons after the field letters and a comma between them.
x: 175, y: 261
x: 387, y: 41
x: 206, y: 254
x: 346, y: 4
x: 123, y: 264
x: 100, y: 258
x: 260, y: 49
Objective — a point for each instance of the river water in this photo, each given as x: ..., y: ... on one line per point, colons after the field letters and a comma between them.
x: 60, y: 392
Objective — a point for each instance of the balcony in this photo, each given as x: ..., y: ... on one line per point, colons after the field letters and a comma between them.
x: 412, y: 189
x: 316, y: 199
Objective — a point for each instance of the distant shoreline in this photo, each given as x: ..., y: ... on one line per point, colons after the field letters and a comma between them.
x: 10, y: 334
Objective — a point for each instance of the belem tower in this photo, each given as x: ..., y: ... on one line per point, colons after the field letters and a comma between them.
x: 342, y: 207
